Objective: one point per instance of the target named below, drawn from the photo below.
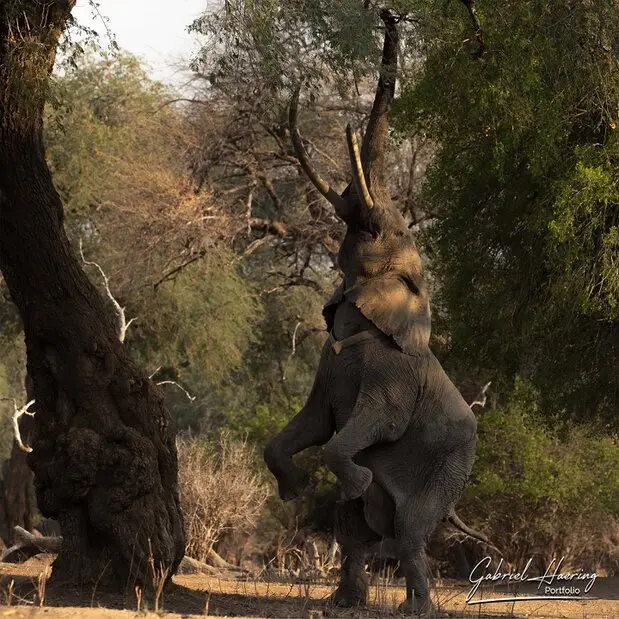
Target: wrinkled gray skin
(403, 446)
(399, 436)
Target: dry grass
(200, 595)
(219, 491)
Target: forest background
(505, 166)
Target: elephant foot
(348, 597)
(354, 482)
(291, 485)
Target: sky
(155, 30)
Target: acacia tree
(103, 455)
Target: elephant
(397, 433)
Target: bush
(219, 490)
(542, 494)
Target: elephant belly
(437, 447)
(405, 468)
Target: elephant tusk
(357, 169)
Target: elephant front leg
(364, 428)
(313, 425)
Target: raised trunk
(103, 456)
(376, 136)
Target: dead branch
(374, 143)
(123, 324)
(18, 412)
(481, 398)
(294, 340)
(28, 545)
(190, 397)
(177, 269)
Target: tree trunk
(18, 505)
(103, 455)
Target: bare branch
(120, 311)
(294, 340)
(338, 202)
(154, 373)
(481, 398)
(28, 545)
(190, 397)
(250, 200)
(177, 269)
(24, 410)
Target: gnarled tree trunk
(103, 455)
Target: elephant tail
(454, 519)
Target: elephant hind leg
(355, 537)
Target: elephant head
(383, 274)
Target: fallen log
(28, 545)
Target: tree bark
(104, 457)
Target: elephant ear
(328, 311)
(399, 306)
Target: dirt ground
(200, 595)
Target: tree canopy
(523, 189)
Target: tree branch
(24, 410)
(481, 398)
(123, 325)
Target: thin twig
(294, 340)
(190, 397)
(482, 397)
(123, 325)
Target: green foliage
(524, 189)
(266, 422)
(204, 319)
(103, 113)
(585, 225)
(561, 490)
(520, 458)
(307, 39)
(118, 154)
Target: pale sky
(155, 30)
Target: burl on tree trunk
(103, 454)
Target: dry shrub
(219, 488)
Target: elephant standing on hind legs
(399, 436)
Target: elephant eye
(410, 283)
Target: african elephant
(399, 436)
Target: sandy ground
(201, 595)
